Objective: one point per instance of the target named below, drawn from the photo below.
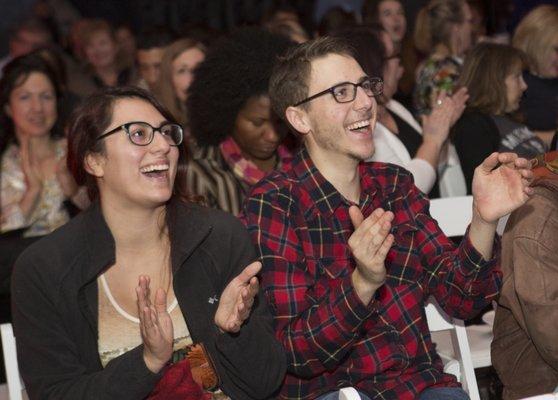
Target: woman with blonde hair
(492, 74)
(179, 61)
(537, 36)
(443, 31)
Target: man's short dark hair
(290, 78)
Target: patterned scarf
(245, 170)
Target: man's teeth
(359, 125)
(152, 168)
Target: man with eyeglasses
(349, 250)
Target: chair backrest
(452, 213)
(349, 393)
(15, 385)
(438, 320)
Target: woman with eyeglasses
(398, 137)
(145, 294)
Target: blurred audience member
(149, 55)
(75, 39)
(34, 179)
(67, 100)
(231, 118)
(335, 19)
(493, 75)
(478, 20)
(104, 66)
(25, 37)
(283, 19)
(390, 15)
(37, 193)
(537, 36)
(443, 31)
(525, 349)
(127, 44)
(179, 61)
(352, 7)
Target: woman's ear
(94, 164)
(298, 118)
(8, 110)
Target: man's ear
(94, 164)
(298, 119)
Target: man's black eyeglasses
(142, 133)
(346, 92)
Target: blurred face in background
(101, 50)
(149, 64)
(392, 18)
(25, 41)
(549, 67)
(126, 40)
(392, 67)
(515, 86)
(464, 32)
(182, 68)
(32, 106)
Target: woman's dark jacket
(55, 310)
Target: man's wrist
(364, 289)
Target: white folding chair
(349, 393)
(16, 389)
(457, 362)
(454, 215)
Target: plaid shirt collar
(326, 197)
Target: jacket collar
(326, 198)
(188, 229)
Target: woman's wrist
(153, 364)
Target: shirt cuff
(474, 262)
(350, 310)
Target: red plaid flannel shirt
(300, 224)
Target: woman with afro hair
(231, 119)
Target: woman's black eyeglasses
(142, 133)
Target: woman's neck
(40, 146)
(135, 229)
(266, 165)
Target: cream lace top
(119, 331)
